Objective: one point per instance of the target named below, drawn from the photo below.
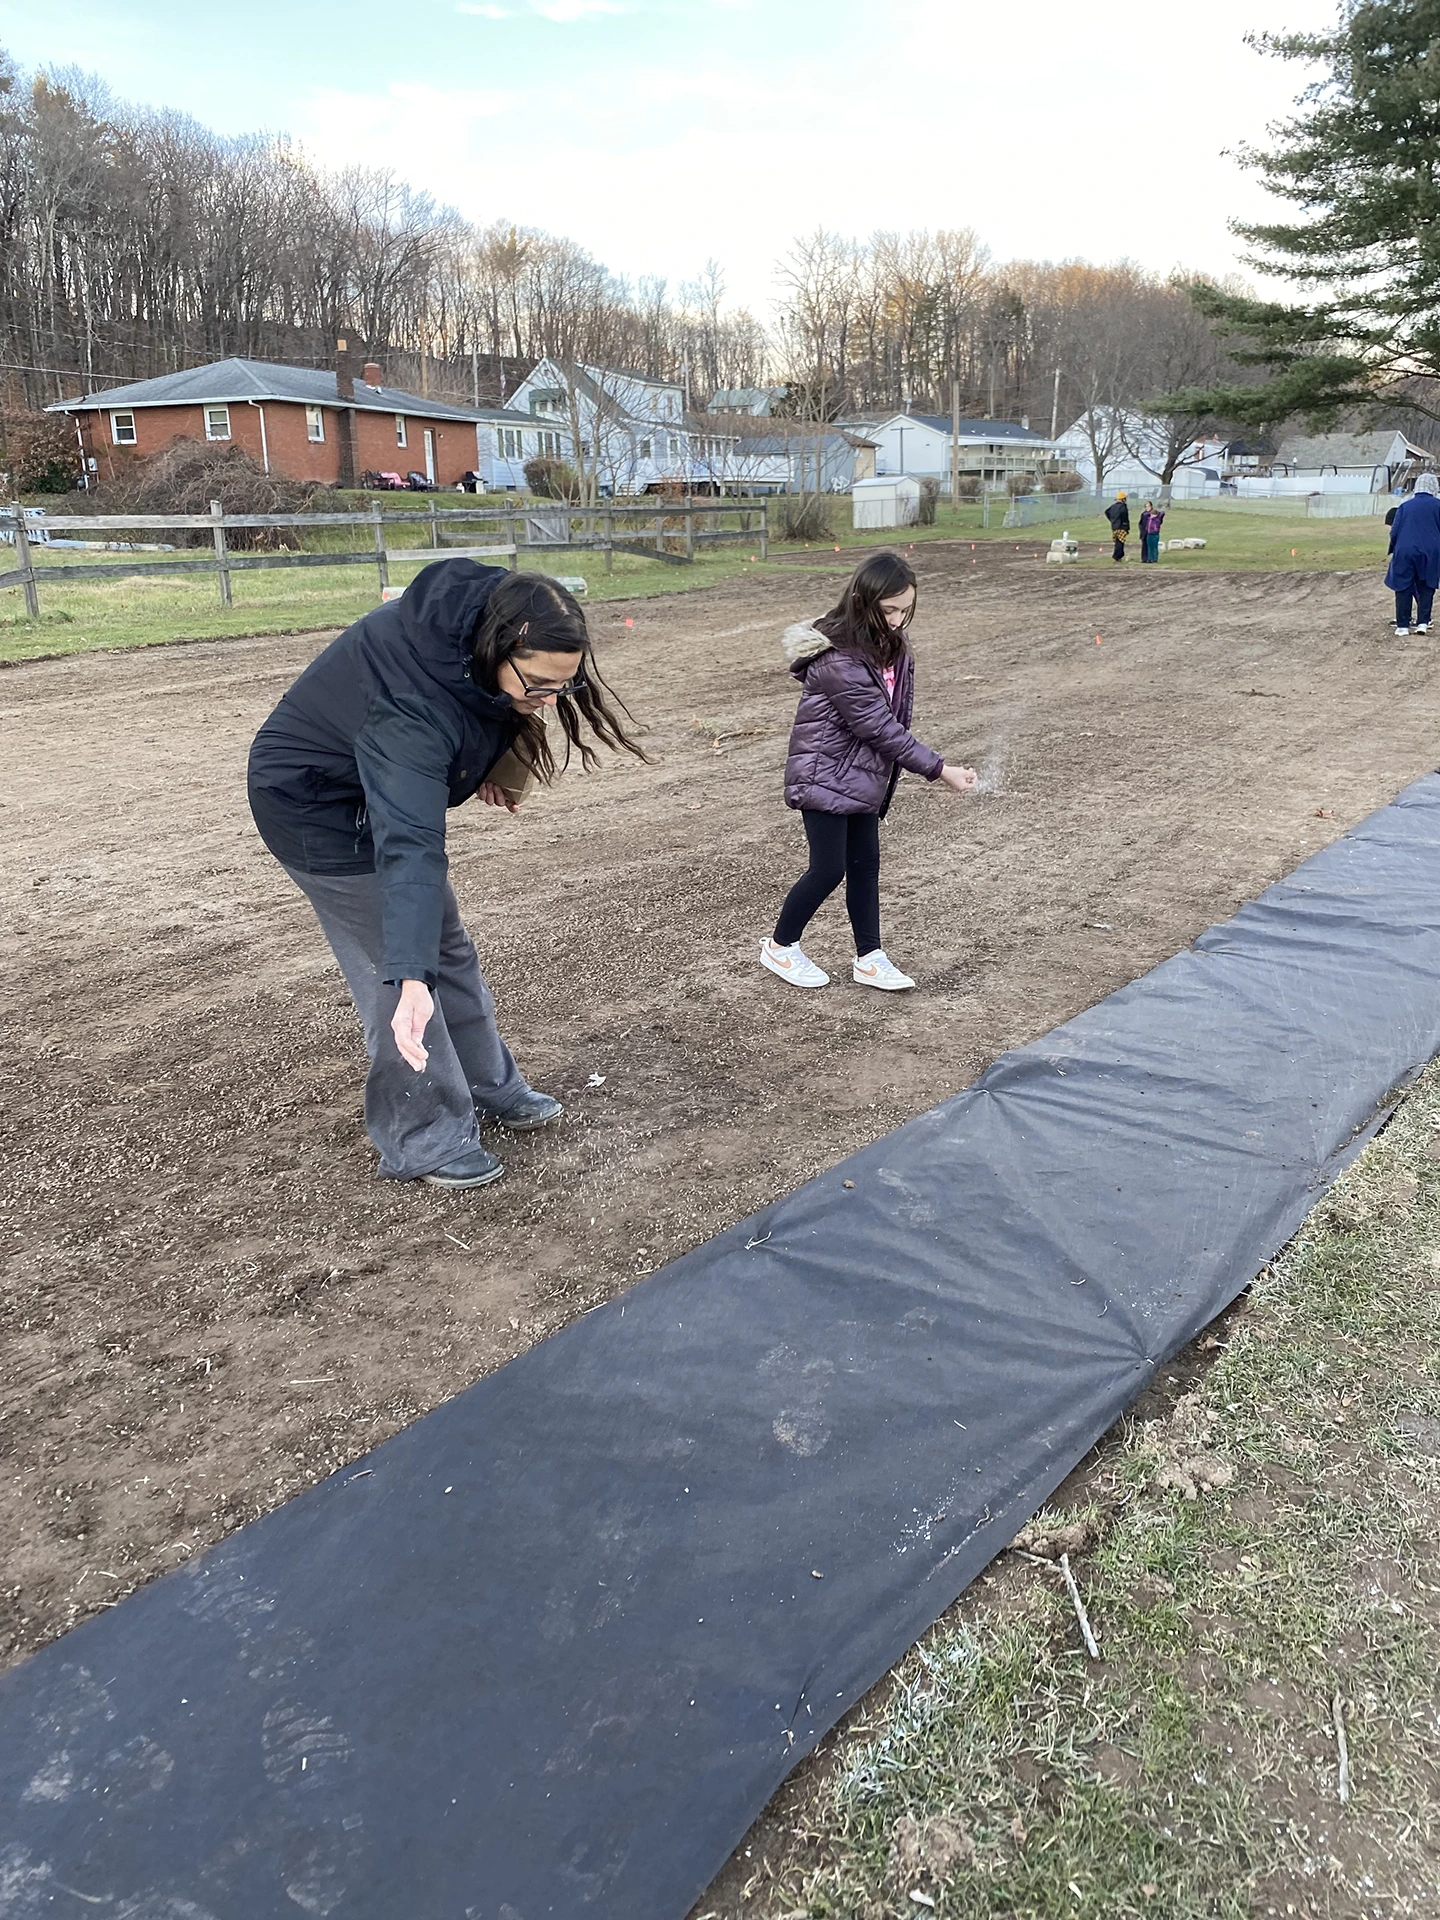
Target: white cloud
(564, 12)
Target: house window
(314, 423)
(550, 444)
(399, 429)
(512, 443)
(217, 423)
(644, 449)
(122, 429)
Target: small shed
(893, 500)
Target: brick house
(307, 423)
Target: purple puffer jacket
(849, 739)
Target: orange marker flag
(629, 623)
(1097, 640)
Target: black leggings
(843, 846)
(1424, 605)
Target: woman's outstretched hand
(961, 779)
(494, 796)
(412, 1016)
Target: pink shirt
(888, 675)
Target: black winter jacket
(354, 770)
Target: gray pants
(418, 1121)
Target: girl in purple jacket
(851, 738)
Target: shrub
(188, 474)
(551, 479)
(1019, 483)
(1066, 481)
(38, 452)
(967, 486)
(929, 494)
(805, 516)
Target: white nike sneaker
(1402, 633)
(789, 963)
(874, 970)
(1424, 627)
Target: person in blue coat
(1414, 570)
(410, 712)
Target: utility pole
(954, 444)
(1055, 406)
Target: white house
(1133, 450)
(505, 439)
(920, 443)
(633, 432)
(786, 460)
(1346, 462)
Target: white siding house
(920, 443)
(1133, 449)
(506, 438)
(634, 436)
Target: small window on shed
(399, 429)
(122, 429)
(217, 423)
(314, 423)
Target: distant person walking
(1414, 570)
(1152, 518)
(1118, 514)
(850, 739)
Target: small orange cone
(1293, 551)
(629, 623)
(1097, 640)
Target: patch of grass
(1269, 1546)
(82, 616)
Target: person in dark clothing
(402, 717)
(1118, 514)
(1414, 570)
(850, 739)
(1152, 518)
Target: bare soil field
(208, 1300)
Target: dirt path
(208, 1301)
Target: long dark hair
(858, 620)
(530, 613)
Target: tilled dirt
(209, 1301)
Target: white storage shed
(893, 500)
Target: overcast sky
(660, 132)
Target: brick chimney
(345, 415)
(344, 370)
(372, 375)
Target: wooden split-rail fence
(664, 531)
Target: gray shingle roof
(976, 429)
(1313, 451)
(236, 381)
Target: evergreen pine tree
(1360, 162)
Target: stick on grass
(1091, 1646)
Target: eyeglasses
(540, 691)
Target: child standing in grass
(851, 738)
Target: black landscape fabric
(548, 1651)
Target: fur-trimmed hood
(803, 642)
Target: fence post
(26, 562)
(659, 533)
(609, 542)
(382, 559)
(434, 529)
(217, 514)
(512, 542)
(689, 531)
(764, 529)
